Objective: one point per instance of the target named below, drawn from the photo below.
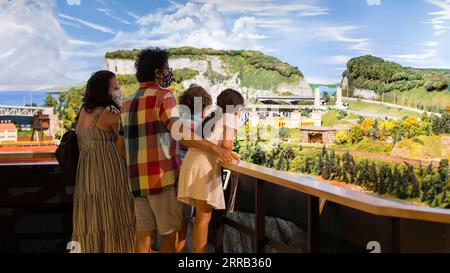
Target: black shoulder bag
(68, 152)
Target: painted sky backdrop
(55, 42)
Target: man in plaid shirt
(152, 154)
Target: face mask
(167, 80)
(117, 96)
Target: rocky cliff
(250, 72)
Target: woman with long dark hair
(103, 216)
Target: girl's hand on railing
(225, 154)
(237, 158)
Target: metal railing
(317, 194)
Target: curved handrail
(376, 205)
(27, 158)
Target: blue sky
(53, 42)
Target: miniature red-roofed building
(8, 132)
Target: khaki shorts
(162, 211)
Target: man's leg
(168, 213)
(181, 245)
(169, 242)
(200, 232)
(145, 225)
(144, 241)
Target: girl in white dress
(200, 182)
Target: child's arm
(229, 134)
(229, 131)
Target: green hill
(254, 69)
(420, 88)
(251, 57)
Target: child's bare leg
(182, 236)
(200, 232)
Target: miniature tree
(443, 174)
(415, 191)
(307, 168)
(396, 177)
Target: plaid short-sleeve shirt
(152, 155)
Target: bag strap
(97, 116)
(75, 122)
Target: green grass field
(380, 109)
(419, 98)
(330, 118)
(423, 147)
(24, 133)
(368, 145)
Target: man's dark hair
(97, 91)
(148, 60)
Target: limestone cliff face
(359, 92)
(119, 66)
(365, 94)
(228, 79)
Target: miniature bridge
(21, 111)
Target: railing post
(260, 214)
(313, 243)
(219, 230)
(395, 235)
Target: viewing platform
(36, 213)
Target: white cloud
(268, 7)
(321, 80)
(193, 24)
(427, 53)
(373, 2)
(37, 51)
(363, 47)
(102, 2)
(340, 34)
(73, 2)
(133, 15)
(88, 24)
(80, 43)
(31, 39)
(110, 13)
(338, 59)
(80, 53)
(67, 23)
(147, 19)
(441, 20)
